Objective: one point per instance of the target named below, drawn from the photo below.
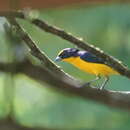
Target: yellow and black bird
(87, 62)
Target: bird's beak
(58, 59)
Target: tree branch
(46, 74)
(64, 82)
(109, 60)
(110, 98)
(35, 51)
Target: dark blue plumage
(84, 55)
(68, 52)
(87, 56)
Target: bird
(87, 62)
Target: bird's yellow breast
(93, 68)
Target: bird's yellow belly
(93, 68)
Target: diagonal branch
(109, 60)
(110, 98)
(46, 74)
(35, 51)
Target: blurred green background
(105, 26)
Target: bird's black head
(67, 53)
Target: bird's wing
(86, 56)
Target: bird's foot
(101, 88)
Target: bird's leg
(104, 83)
(88, 83)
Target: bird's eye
(63, 55)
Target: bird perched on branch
(87, 62)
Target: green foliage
(106, 26)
